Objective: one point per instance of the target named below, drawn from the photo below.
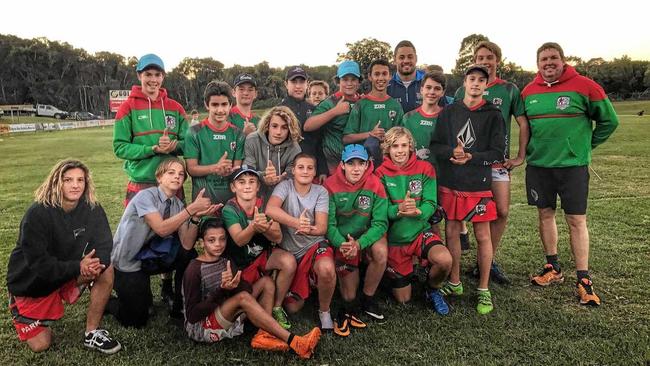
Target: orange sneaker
(585, 291)
(304, 346)
(268, 342)
(547, 276)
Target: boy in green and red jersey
(215, 146)
(241, 115)
(374, 113)
(411, 188)
(331, 116)
(505, 95)
(422, 121)
(561, 105)
(357, 224)
(149, 127)
(469, 138)
(251, 237)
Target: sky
(312, 33)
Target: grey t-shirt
(316, 200)
(133, 231)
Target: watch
(195, 222)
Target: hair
(194, 111)
(402, 44)
(319, 83)
(392, 135)
(164, 166)
(551, 45)
(303, 155)
(435, 76)
(490, 46)
(210, 223)
(286, 115)
(50, 192)
(217, 87)
(379, 61)
(435, 68)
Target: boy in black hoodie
(469, 138)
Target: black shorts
(543, 185)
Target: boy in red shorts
(469, 138)
(410, 185)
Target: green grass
(528, 326)
(632, 107)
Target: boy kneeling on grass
(410, 185)
(216, 299)
(469, 138)
(251, 236)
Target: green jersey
(238, 118)
(422, 126)
(244, 255)
(370, 110)
(332, 131)
(207, 144)
(506, 96)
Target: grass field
(529, 326)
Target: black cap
(296, 72)
(245, 78)
(479, 68)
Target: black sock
(582, 274)
(552, 260)
(365, 299)
(290, 339)
(166, 284)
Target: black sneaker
(497, 275)
(372, 309)
(100, 340)
(464, 242)
(474, 272)
(167, 293)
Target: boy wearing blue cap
(332, 114)
(357, 224)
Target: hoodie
(419, 178)
(560, 116)
(482, 130)
(258, 151)
(356, 209)
(139, 123)
(311, 143)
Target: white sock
(325, 320)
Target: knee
(326, 273)
(267, 284)
(546, 214)
(287, 263)
(41, 342)
(441, 257)
(292, 307)
(107, 277)
(503, 211)
(244, 298)
(379, 254)
(577, 222)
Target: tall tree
(365, 51)
(466, 52)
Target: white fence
(53, 126)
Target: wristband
(188, 211)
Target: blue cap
(348, 68)
(354, 151)
(150, 60)
(242, 170)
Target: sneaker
(547, 276)
(100, 340)
(484, 302)
(474, 272)
(342, 325)
(497, 275)
(326, 322)
(280, 316)
(438, 302)
(372, 309)
(585, 291)
(304, 346)
(355, 321)
(266, 341)
(464, 242)
(452, 290)
(167, 293)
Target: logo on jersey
(424, 122)
(254, 250)
(466, 134)
(218, 137)
(562, 103)
(497, 101)
(392, 115)
(415, 186)
(233, 145)
(170, 121)
(423, 153)
(363, 202)
(380, 106)
(534, 195)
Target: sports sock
(290, 339)
(552, 260)
(582, 274)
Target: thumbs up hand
(223, 167)
(378, 132)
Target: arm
(102, 240)
(355, 137)
(123, 145)
(275, 211)
(333, 233)
(320, 224)
(602, 112)
(524, 136)
(429, 194)
(325, 112)
(378, 224)
(196, 170)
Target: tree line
(49, 72)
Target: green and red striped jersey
(233, 214)
(238, 118)
(207, 144)
(139, 124)
(332, 131)
(422, 126)
(560, 116)
(357, 209)
(417, 177)
(369, 110)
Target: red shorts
(132, 188)
(467, 206)
(399, 266)
(31, 315)
(305, 277)
(257, 269)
